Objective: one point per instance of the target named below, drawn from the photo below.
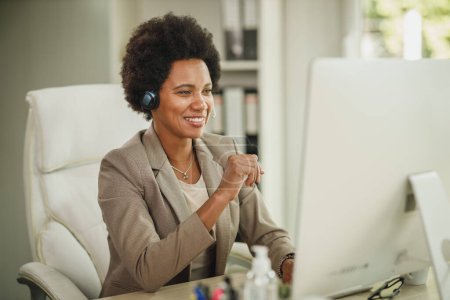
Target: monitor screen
(369, 125)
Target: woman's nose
(199, 101)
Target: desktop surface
(181, 290)
(184, 290)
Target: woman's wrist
(210, 211)
(282, 260)
(222, 196)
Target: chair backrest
(69, 130)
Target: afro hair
(155, 45)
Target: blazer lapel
(212, 174)
(167, 181)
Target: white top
(203, 265)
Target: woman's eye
(184, 92)
(207, 91)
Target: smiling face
(185, 101)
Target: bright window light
(412, 35)
(410, 29)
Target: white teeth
(194, 119)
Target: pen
(217, 294)
(199, 293)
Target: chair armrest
(44, 280)
(240, 259)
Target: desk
(183, 290)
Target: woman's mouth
(195, 121)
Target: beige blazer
(153, 236)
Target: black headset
(150, 101)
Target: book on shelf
(233, 98)
(240, 25)
(251, 120)
(250, 29)
(240, 111)
(231, 12)
(251, 112)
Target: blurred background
(265, 46)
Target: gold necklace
(185, 173)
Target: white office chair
(69, 130)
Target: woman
(174, 198)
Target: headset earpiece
(150, 101)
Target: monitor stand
(434, 208)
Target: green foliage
(384, 19)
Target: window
(411, 29)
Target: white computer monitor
(369, 125)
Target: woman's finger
(250, 179)
(258, 173)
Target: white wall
(122, 22)
(42, 44)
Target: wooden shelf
(240, 65)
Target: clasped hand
(240, 169)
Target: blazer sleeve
(150, 260)
(256, 227)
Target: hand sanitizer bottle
(261, 283)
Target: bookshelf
(238, 98)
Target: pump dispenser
(261, 283)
